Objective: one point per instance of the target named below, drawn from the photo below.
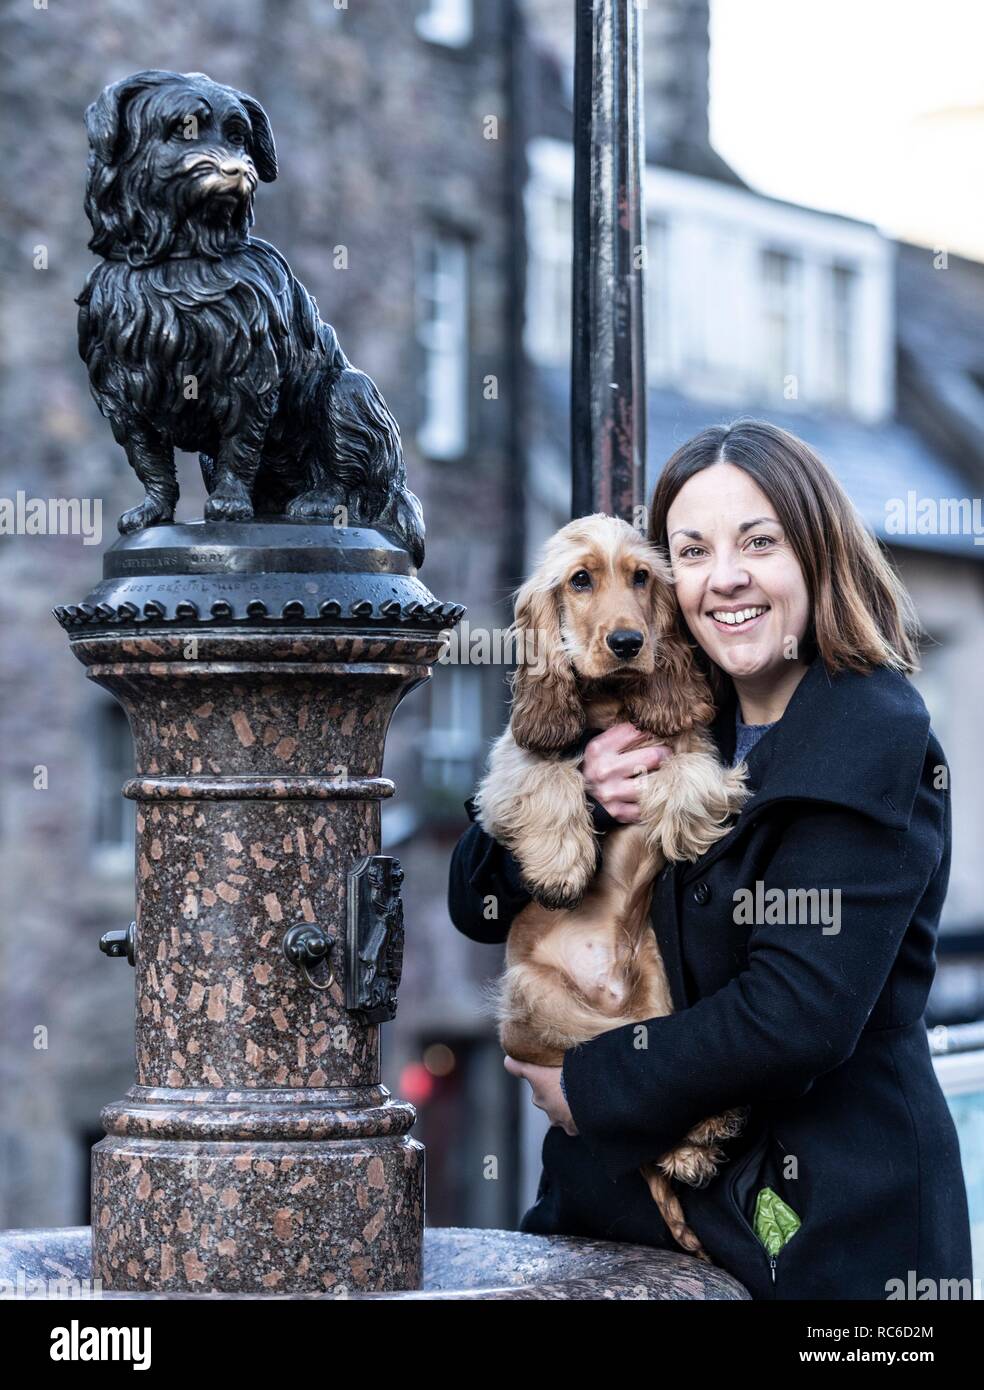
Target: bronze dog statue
(197, 336)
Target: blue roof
(873, 463)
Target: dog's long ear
(676, 697)
(261, 146)
(107, 123)
(104, 118)
(547, 713)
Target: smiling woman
(846, 1182)
(772, 565)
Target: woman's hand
(616, 777)
(547, 1095)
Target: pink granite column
(258, 1150)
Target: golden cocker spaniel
(596, 629)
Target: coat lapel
(847, 739)
(667, 918)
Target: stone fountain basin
(458, 1264)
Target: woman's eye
(640, 578)
(767, 541)
(689, 552)
(581, 580)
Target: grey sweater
(747, 735)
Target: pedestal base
(265, 1191)
(458, 1265)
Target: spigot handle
(306, 946)
(120, 943)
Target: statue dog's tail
(368, 457)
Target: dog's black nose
(625, 642)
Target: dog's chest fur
(185, 345)
(605, 946)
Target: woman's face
(738, 582)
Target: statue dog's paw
(315, 506)
(231, 501)
(150, 512)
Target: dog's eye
(581, 580)
(640, 578)
(186, 126)
(236, 136)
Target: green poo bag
(775, 1222)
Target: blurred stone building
(396, 206)
(424, 199)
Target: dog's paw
(231, 501)
(150, 512)
(730, 1124)
(562, 893)
(692, 1164)
(315, 506)
(690, 805)
(686, 824)
(685, 837)
(564, 889)
(559, 897)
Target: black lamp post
(608, 359)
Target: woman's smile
(735, 621)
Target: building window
(843, 281)
(114, 821)
(454, 740)
(442, 331)
(548, 320)
(657, 300)
(781, 324)
(449, 22)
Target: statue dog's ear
(107, 122)
(104, 118)
(261, 146)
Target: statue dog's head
(174, 160)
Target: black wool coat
(812, 1018)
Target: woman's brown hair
(861, 614)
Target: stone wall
(380, 134)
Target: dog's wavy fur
(281, 420)
(581, 958)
